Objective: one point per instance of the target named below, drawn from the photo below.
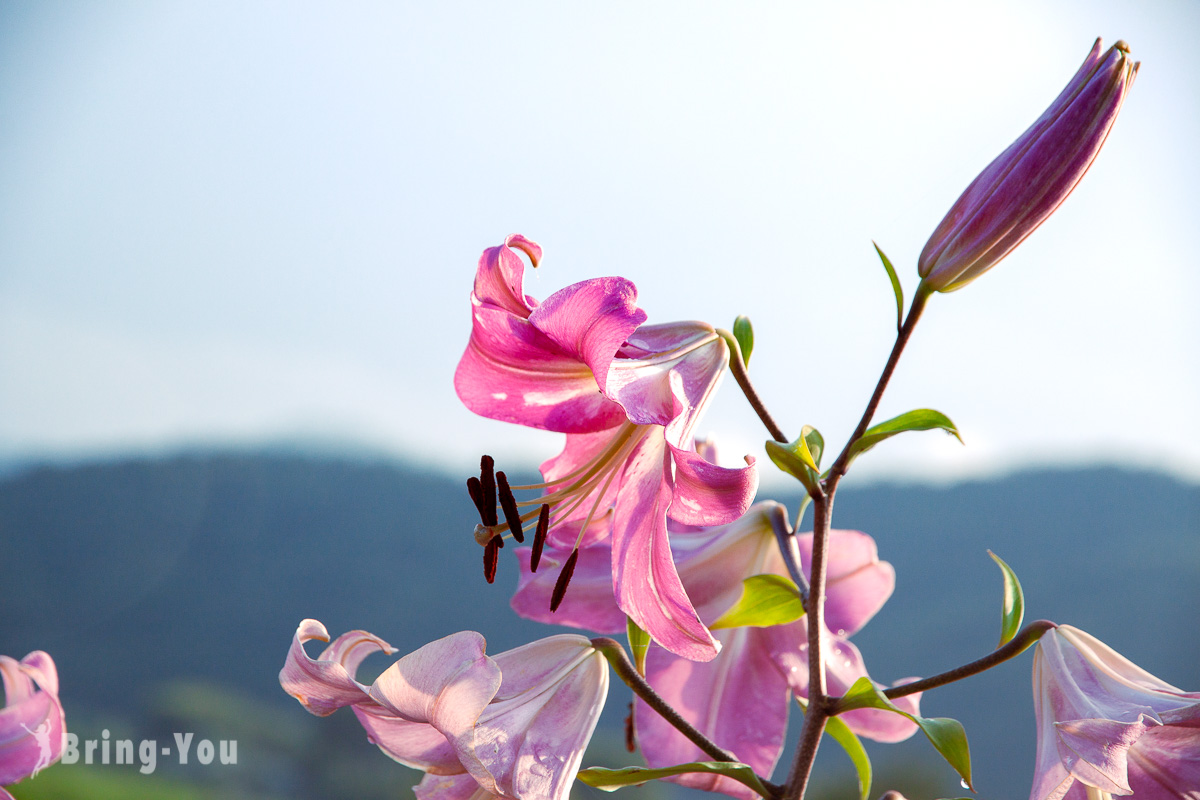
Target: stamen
(487, 478)
(630, 734)
(539, 537)
(564, 578)
(491, 557)
(509, 504)
(475, 488)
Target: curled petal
(512, 372)
(590, 320)
(705, 494)
(327, 683)
(447, 684)
(500, 276)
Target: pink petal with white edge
(32, 724)
(327, 683)
(705, 494)
(533, 735)
(739, 700)
(645, 581)
(446, 683)
(1105, 722)
(677, 368)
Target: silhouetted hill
(137, 573)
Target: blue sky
(234, 223)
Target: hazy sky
(252, 221)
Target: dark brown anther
(539, 537)
(476, 490)
(509, 504)
(630, 735)
(491, 557)
(487, 478)
(564, 577)
(499, 540)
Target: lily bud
(1028, 181)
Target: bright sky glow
(242, 222)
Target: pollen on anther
(564, 578)
(487, 479)
(509, 505)
(539, 537)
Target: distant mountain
(135, 574)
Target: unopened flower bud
(1028, 181)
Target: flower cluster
(636, 528)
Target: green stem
(615, 653)
(914, 314)
(818, 701)
(1024, 639)
(740, 374)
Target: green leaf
(610, 780)
(639, 643)
(1012, 609)
(840, 732)
(921, 419)
(800, 458)
(743, 331)
(766, 600)
(897, 289)
(947, 735)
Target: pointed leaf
(609, 780)
(896, 288)
(1012, 609)
(766, 600)
(639, 644)
(743, 331)
(921, 419)
(840, 732)
(946, 735)
(800, 458)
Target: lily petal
(32, 723)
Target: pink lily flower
(1107, 727)
(32, 725)
(1026, 183)
(740, 699)
(628, 396)
(512, 725)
